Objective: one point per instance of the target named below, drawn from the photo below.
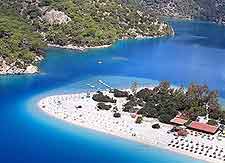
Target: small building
(178, 121)
(203, 127)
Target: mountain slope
(95, 23)
(19, 45)
(208, 10)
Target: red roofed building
(178, 121)
(203, 127)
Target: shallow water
(195, 54)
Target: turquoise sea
(195, 54)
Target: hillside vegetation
(99, 22)
(83, 23)
(19, 45)
(208, 10)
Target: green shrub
(117, 115)
(165, 118)
(156, 126)
(139, 119)
(212, 122)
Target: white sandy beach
(66, 107)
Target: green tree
(165, 118)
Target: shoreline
(12, 69)
(123, 137)
(159, 143)
(32, 69)
(84, 48)
(80, 48)
(127, 138)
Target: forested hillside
(19, 44)
(208, 10)
(82, 23)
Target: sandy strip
(80, 48)
(66, 107)
(83, 48)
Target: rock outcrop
(13, 68)
(56, 17)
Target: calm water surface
(195, 54)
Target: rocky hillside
(19, 45)
(80, 23)
(208, 10)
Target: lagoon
(195, 54)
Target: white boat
(99, 62)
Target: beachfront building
(203, 127)
(201, 124)
(178, 121)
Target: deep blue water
(195, 54)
